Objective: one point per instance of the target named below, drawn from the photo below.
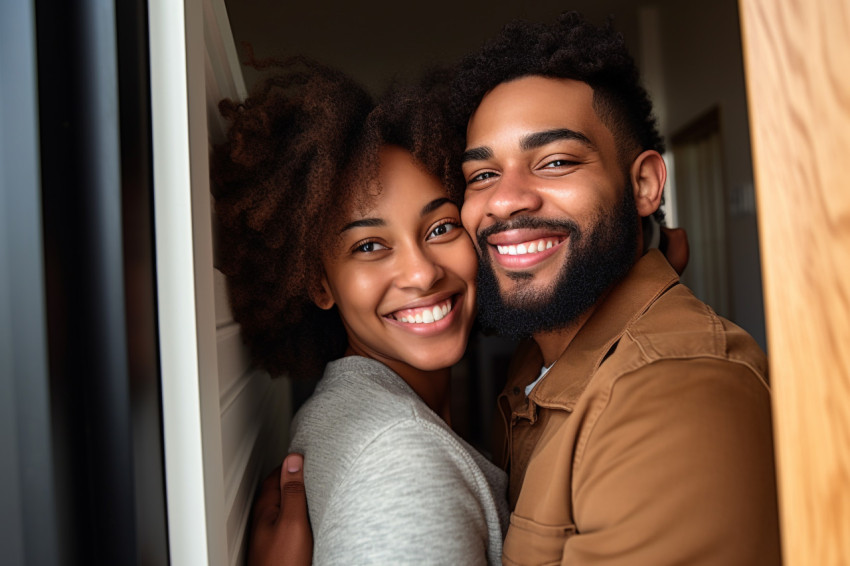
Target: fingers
(293, 497)
(293, 539)
(267, 503)
(281, 533)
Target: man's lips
(529, 246)
(520, 249)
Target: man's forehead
(533, 104)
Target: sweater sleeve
(411, 497)
(678, 471)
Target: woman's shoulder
(357, 401)
(359, 387)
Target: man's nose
(515, 193)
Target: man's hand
(280, 527)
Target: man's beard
(596, 260)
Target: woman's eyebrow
(434, 205)
(376, 222)
(364, 223)
(539, 139)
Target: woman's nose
(417, 269)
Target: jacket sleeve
(678, 468)
(412, 497)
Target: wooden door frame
(796, 55)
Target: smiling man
(637, 425)
(553, 212)
(636, 422)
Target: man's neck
(554, 343)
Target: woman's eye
(443, 229)
(368, 247)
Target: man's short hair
(569, 48)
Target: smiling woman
(343, 247)
(402, 273)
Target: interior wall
(377, 40)
(703, 67)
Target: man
(637, 425)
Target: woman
(342, 243)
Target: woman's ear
(322, 297)
(648, 175)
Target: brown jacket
(649, 441)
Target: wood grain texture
(797, 60)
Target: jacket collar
(647, 280)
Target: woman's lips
(425, 314)
(432, 319)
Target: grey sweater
(388, 482)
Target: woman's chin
(440, 360)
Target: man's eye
(482, 177)
(559, 163)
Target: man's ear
(322, 297)
(648, 175)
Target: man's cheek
(470, 220)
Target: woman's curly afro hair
(569, 48)
(300, 151)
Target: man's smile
(524, 248)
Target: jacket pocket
(530, 542)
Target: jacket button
(516, 390)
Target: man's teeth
(527, 248)
(425, 315)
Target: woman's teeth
(527, 248)
(424, 315)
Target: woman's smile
(427, 320)
(403, 273)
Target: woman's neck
(433, 387)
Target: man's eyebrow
(531, 141)
(434, 205)
(476, 154)
(364, 223)
(539, 139)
